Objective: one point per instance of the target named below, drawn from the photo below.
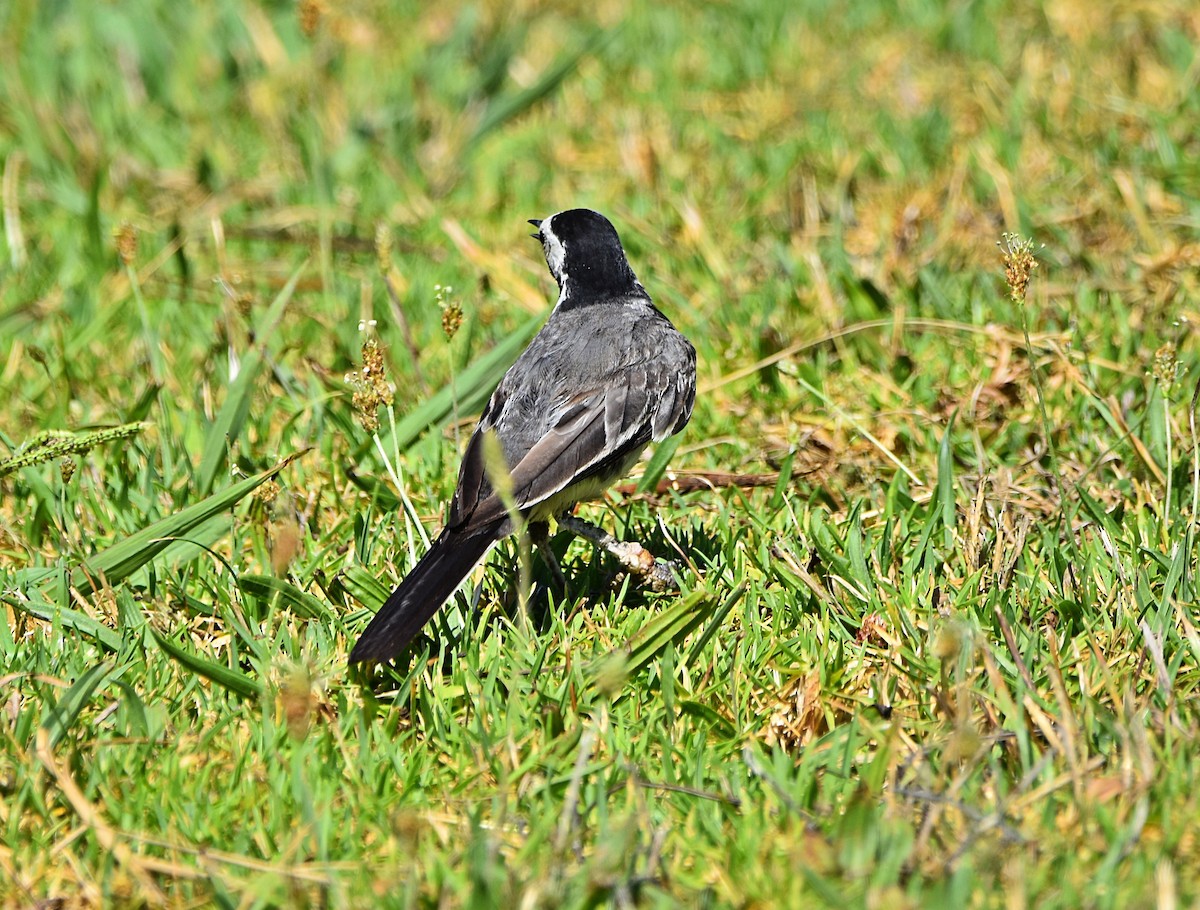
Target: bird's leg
(539, 533)
(631, 554)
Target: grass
(938, 644)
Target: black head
(585, 256)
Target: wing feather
(600, 429)
(554, 442)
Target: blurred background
(784, 168)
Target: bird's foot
(658, 573)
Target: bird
(606, 375)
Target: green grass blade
(708, 715)
(124, 558)
(65, 712)
(233, 680)
(945, 487)
(672, 626)
(506, 108)
(473, 386)
(229, 421)
(718, 617)
(299, 602)
(657, 465)
(784, 481)
(232, 416)
(380, 493)
(70, 620)
(27, 578)
(1178, 565)
(364, 587)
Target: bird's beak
(537, 223)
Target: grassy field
(936, 644)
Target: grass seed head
(296, 702)
(244, 304)
(371, 388)
(452, 314)
(310, 13)
(59, 444)
(873, 629)
(948, 643)
(127, 242)
(1019, 263)
(267, 492)
(286, 541)
(1166, 367)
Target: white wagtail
(606, 375)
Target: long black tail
(421, 593)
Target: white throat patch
(556, 254)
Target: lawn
(935, 642)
